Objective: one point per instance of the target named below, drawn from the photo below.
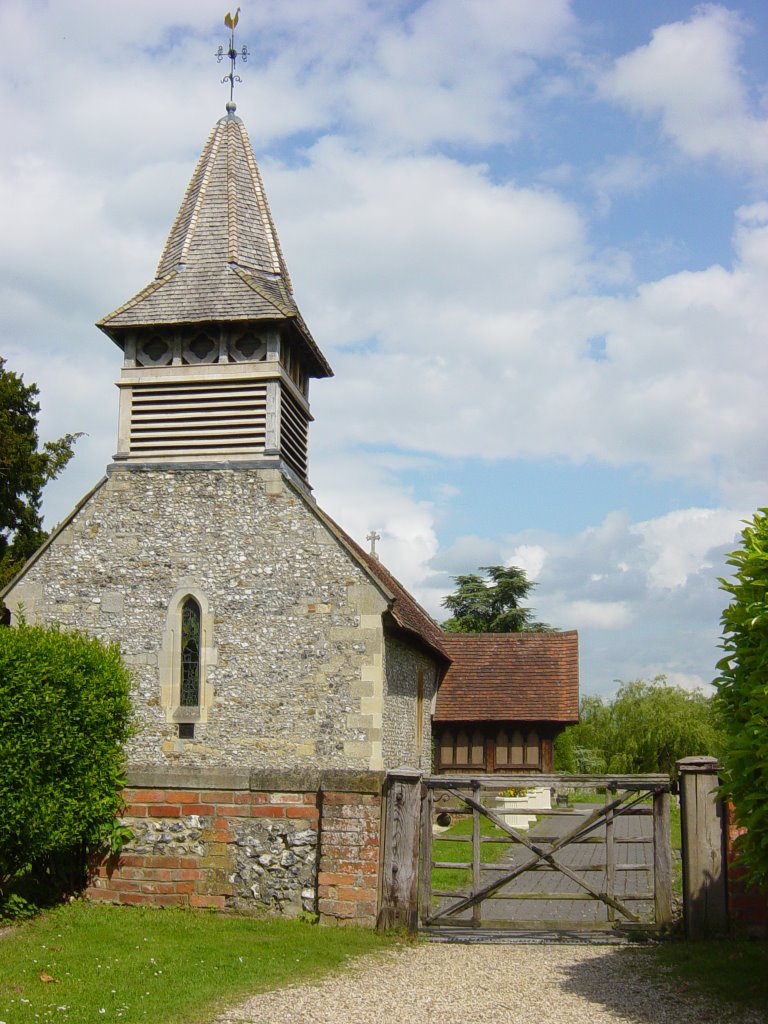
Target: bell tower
(217, 357)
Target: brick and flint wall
(268, 842)
(747, 905)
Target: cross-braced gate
(510, 860)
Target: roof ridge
(198, 181)
(273, 240)
(262, 289)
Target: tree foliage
(492, 604)
(64, 717)
(742, 692)
(645, 728)
(24, 471)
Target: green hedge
(64, 717)
(742, 692)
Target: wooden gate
(545, 853)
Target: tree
(646, 727)
(24, 471)
(64, 717)
(742, 693)
(492, 605)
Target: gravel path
(486, 984)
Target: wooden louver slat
(198, 419)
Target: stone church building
(279, 670)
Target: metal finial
(373, 536)
(231, 22)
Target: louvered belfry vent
(198, 418)
(293, 433)
(217, 356)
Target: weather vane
(232, 53)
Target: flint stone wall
(295, 662)
(408, 740)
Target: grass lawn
(88, 963)
(733, 972)
(450, 879)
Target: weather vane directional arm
(231, 22)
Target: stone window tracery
(187, 656)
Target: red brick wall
(747, 906)
(350, 841)
(194, 865)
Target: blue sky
(532, 240)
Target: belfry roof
(222, 261)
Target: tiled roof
(222, 261)
(510, 677)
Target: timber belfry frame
(603, 862)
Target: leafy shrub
(64, 717)
(742, 692)
(15, 908)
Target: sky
(531, 239)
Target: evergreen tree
(24, 470)
(493, 604)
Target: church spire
(217, 355)
(222, 261)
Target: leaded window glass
(190, 653)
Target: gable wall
(295, 659)
(403, 663)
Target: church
(279, 670)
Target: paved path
(435, 983)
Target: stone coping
(276, 780)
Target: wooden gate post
(400, 868)
(704, 868)
(662, 858)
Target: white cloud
(530, 558)
(363, 496)
(689, 76)
(596, 614)
(621, 175)
(680, 543)
(690, 681)
(498, 339)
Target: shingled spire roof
(222, 261)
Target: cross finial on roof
(231, 22)
(373, 537)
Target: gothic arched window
(190, 653)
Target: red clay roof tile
(510, 676)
